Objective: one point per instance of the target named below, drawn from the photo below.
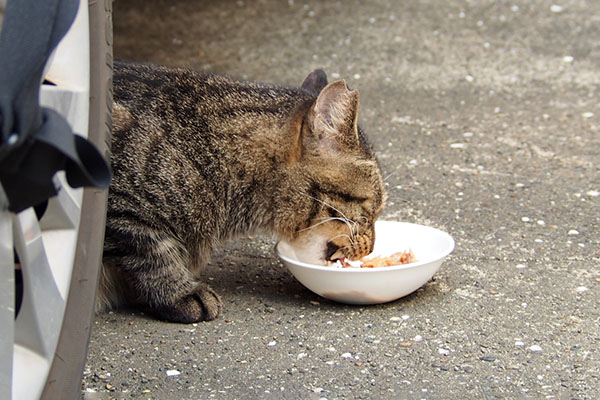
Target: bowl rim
(440, 256)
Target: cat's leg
(157, 270)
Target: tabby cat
(198, 159)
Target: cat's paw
(204, 304)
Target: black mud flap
(36, 142)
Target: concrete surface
(485, 115)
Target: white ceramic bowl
(376, 285)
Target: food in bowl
(399, 258)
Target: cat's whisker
(345, 218)
(321, 223)
(339, 236)
(329, 219)
(355, 231)
(350, 227)
(325, 204)
(390, 175)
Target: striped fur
(199, 159)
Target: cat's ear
(333, 118)
(315, 82)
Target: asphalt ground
(485, 117)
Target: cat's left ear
(315, 82)
(333, 118)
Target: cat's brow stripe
(345, 196)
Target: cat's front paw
(204, 304)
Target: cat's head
(342, 191)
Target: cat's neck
(263, 174)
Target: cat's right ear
(333, 118)
(315, 82)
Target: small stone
(346, 355)
(573, 232)
(469, 78)
(443, 352)
(535, 348)
(487, 358)
(418, 338)
(568, 59)
(271, 343)
(519, 343)
(520, 266)
(587, 115)
(525, 219)
(493, 292)
(173, 372)
(13, 138)
(555, 8)
(581, 289)
(457, 146)
(314, 303)
(395, 319)
(405, 344)
(593, 193)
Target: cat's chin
(310, 249)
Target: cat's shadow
(249, 270)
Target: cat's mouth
(333, 252)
